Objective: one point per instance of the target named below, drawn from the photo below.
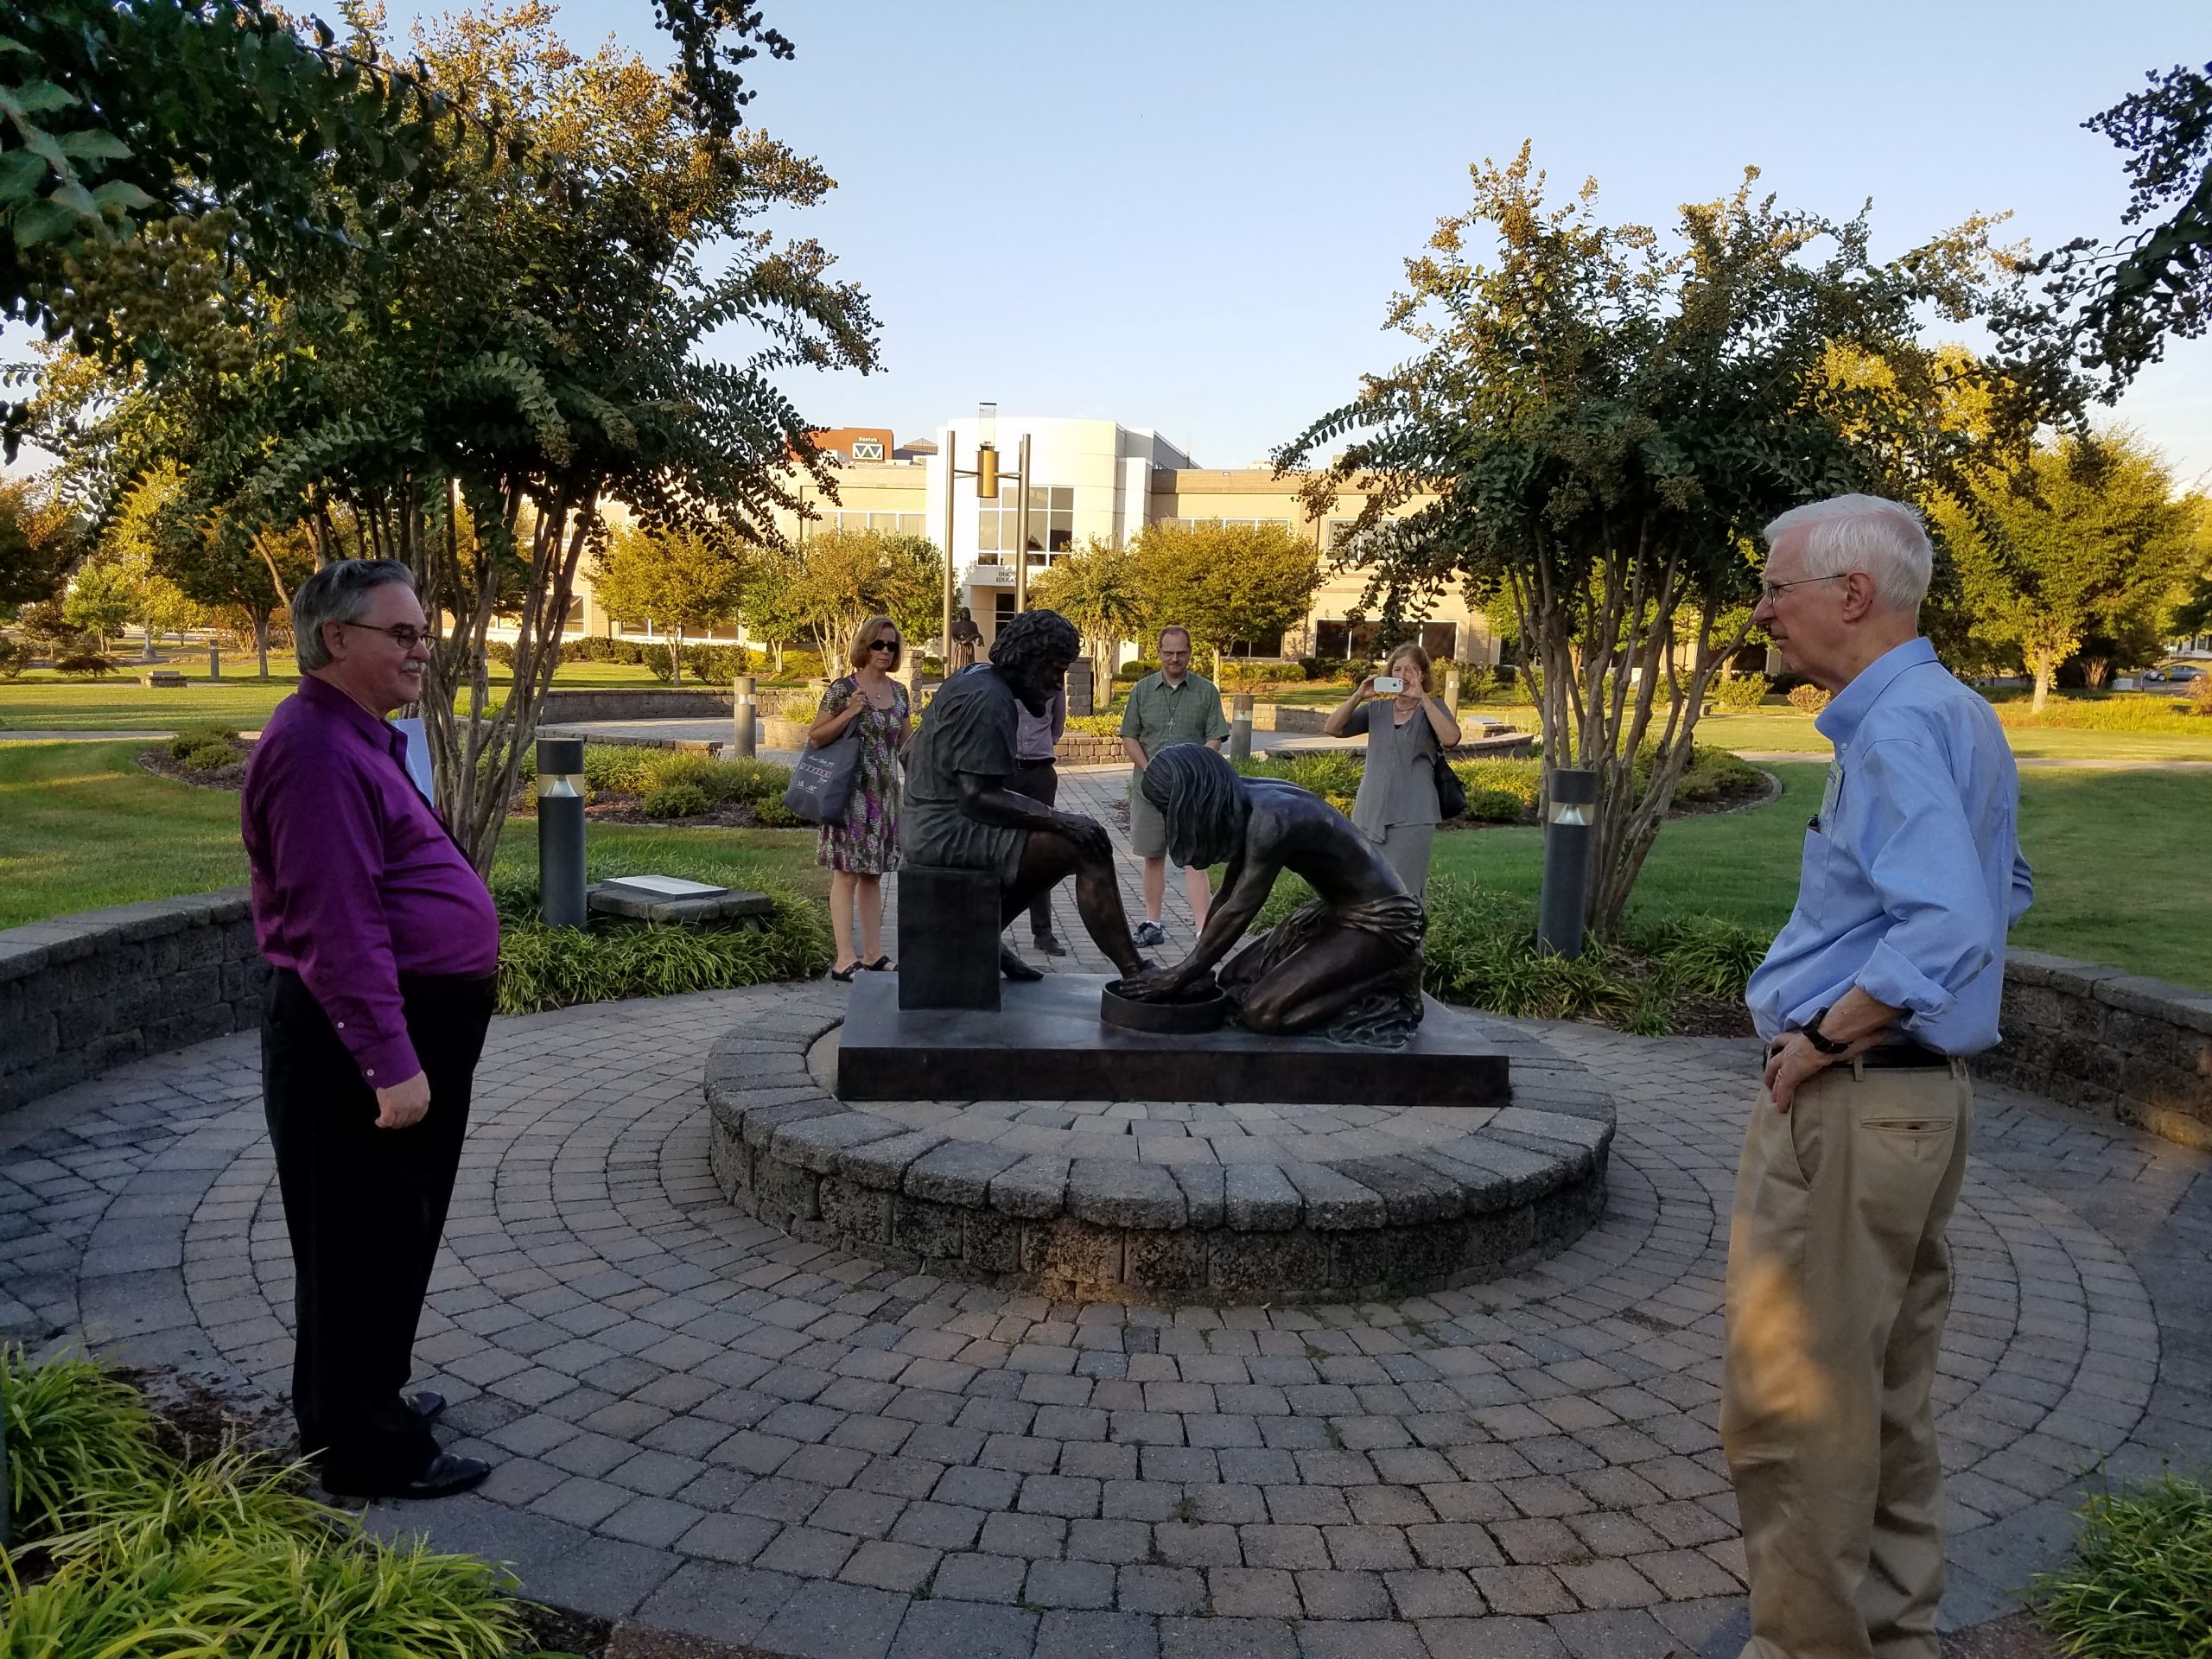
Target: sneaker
(1049, 946)
(1150, 934)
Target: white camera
(1388, 684)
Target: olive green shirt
(1159, 714)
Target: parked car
(2173, 674)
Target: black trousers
(1040, 781)
(366, 1208)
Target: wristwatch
(1811, 1032)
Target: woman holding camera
(1396, 805)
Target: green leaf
(20, 175)
(75, 197)
(35, 96)
(121, 192)
(95, 146)
(41, 221)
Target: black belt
(1902, 1056)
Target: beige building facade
(1088, 477)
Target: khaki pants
(1838, 1281)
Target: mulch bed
(625, 809)
(161, 764)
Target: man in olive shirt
(1173, 706)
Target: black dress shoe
(429, 1404)
(447, 1475)
(1050, 946)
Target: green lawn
(82, 825)
(41, 701)
(2117, 855)
(2147, 909)
(1786, 730)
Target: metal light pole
(987, 475)
(1022, 512)
(1572, 791)
(747, 732)
(561, 830)
(1240, 726)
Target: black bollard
(1572, 791)
(561, 830)
(741, 711)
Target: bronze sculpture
(958, 813)
(1348, 964)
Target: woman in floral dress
(862, 848)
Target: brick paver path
(709, 1427)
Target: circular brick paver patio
(709, 1427)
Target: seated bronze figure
(1348, 964)
(958, 813)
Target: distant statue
(1347, 964)
(966, 636)
(959, 813)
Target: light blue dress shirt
(1912, 870)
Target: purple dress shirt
(355, 881)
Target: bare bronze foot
(1013, 967)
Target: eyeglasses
(883, 644)
(404, 635)
(1770, 591)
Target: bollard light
(741, 712)
(1573, 794)
(561, 830)
(1452, 688)
(215, 661)
(1240, 727)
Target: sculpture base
(1047, 1042)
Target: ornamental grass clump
(2139, 1586)
(73, 1427)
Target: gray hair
(338, 592)
(1883, 538)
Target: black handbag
(1451, 793)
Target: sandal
(844, 975)
(881, 965)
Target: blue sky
(1192, 216)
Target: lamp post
(987, 475)
(561, 830)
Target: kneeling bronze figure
(1347, 964)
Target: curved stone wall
(2101, 1038)
(1305, 1204)
(82, 993)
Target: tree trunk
(2046, 669)
(261, 615)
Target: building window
(1343, 641)
(888, 523)
(868, 449)
(1051, 524)
(1269, 646)
(1334, 532)
(1002, 609)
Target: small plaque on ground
(667, 886)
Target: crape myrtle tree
(1596, 425)
(834, 580)
(511, 336)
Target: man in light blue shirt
(1886, 977)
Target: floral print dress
(866, 841)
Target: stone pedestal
(948, 939)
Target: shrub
(72, 1428)
(1737, 694)
(676, 801)
(1096, 725)
(770, 813)
(1136, 669)
(1241, 674)
(802, 665)
(1324, 669)
(2140, 1583)
(1808, 699)
(209, 757)
(13, 658)
(194, 737)
(84, 662)
(2200, 697)
(2152, 714)
(502, 651)
(1501, 790)
(717, 664)
(602, 648)
(1711, 775)
(543, 967)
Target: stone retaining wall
(83, 992)
(676, 703)
(2100, 1038)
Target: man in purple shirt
(386, 947)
